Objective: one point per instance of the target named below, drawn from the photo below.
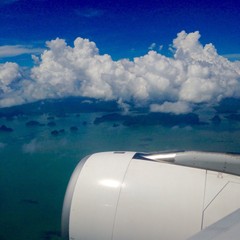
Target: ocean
(38, 153)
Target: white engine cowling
(134, 196)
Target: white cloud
(195, 74)
(9, 72)
(13, 85)
(15, 50)
(171, 107)
(152, 46)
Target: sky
(123, 29)
(169, 55)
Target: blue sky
(167, 55)
(123, 29)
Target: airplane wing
(226, 228)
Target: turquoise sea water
(35, 165)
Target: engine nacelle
(134, 196)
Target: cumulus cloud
(9, 72)
(12, 85)
(196, 74)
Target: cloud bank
(15, 50)
(196, 74)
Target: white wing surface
(226, 228)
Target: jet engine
(134, 196)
